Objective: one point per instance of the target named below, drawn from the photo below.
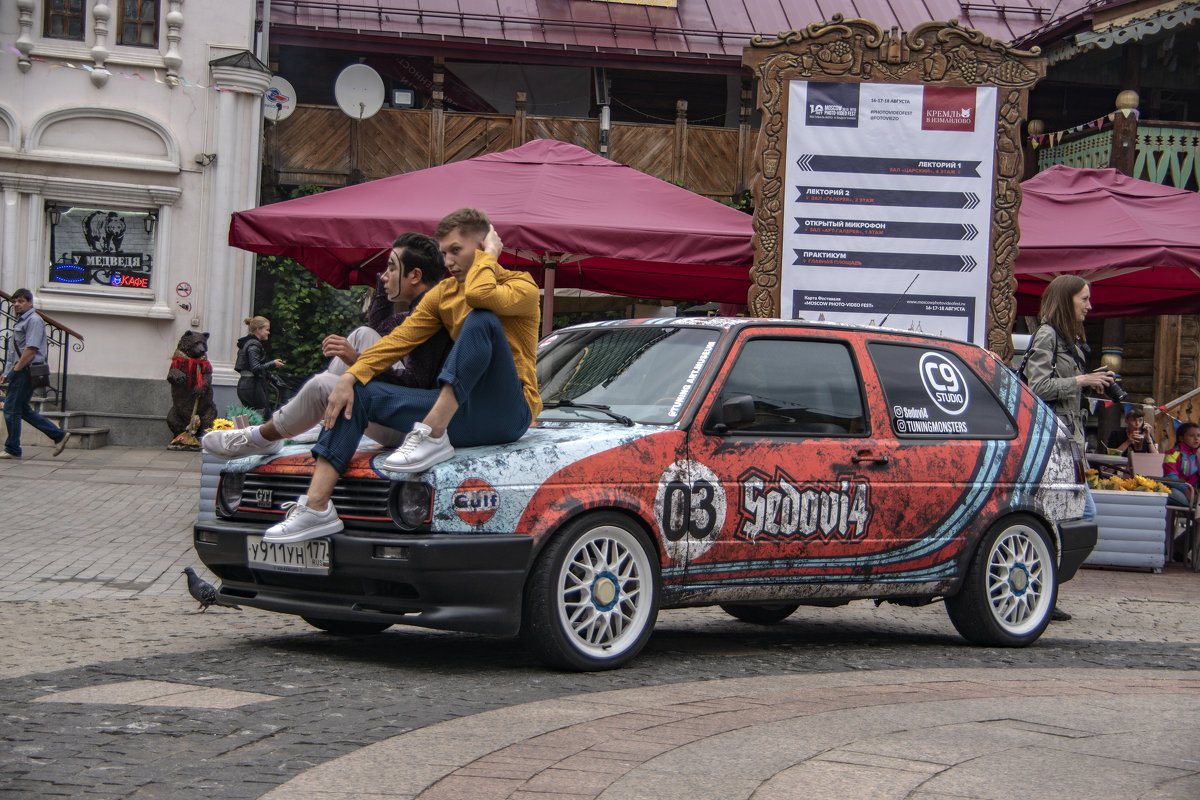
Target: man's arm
(422, 323)
(505, 293)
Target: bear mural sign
(102, 249)
(888, 177)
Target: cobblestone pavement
(112, 686)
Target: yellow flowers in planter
(221, 424)
(1137, 483)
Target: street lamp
(150, 220)
(55, 213)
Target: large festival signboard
(888, 177)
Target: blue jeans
(491, 403)
(17, 408)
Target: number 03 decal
(690, 509)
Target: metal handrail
(58, 345)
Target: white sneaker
(235, 443)
(303, 523)
(420, 451)
(310, 435)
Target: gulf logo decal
(475, 501)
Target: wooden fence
(320, 145)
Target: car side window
(799, 386)
(930, 392)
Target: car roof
(739, 323)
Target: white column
(228, 290)
(8, 252)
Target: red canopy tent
(1137, 243)
(608, 227)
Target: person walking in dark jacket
(254, 366)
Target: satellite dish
(279, 100)
(359, 91)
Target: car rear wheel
(764, 614)
(342, 627)
(592, 599)
(1010, 588)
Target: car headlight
(229, 493)
(410, 504)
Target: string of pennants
(1095, 403)
(169, 80)
(1056, 137)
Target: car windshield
(646, 374)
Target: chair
(1150, 465)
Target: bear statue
(190, 376)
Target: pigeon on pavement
(204, 592)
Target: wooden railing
(1167, 152)
(58, 345)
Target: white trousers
(307, 408)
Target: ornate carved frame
(935, 53)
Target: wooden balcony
(1167, 152)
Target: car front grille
(360, 502)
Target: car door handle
(865, 455)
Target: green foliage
(237, 409)
(302, 309)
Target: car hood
(543, 450)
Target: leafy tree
(303, 309)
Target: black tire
(764, 614)
(342, 627)
(592, 598)
(1010, 588)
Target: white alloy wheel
(593, 598)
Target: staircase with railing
(61, 341)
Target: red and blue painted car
(752, 464)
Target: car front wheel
(592, 599)
(1010, 588)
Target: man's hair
(1058, 306)
(1135, 413)
(1183, 429)
(23, 294)
(468, 221)
(418, 251)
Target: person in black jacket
(254, 366)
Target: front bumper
(1078, 538)
(450, 582)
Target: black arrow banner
(916, 261)
(889, 166)
(891, 229)
(886, 197)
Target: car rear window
(931, 392)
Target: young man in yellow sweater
(488, 391)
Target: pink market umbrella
(1136, 242)
(607, 227)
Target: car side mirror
(735, 412)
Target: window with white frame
(101, 250)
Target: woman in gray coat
(1054, 366)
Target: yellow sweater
(512, 296)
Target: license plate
(310, 557)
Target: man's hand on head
(491, 243)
